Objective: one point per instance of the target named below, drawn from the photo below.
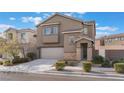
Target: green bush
(16, 60)
(1, 62)
(31, 55)
(72, 63)
(22, 60)
(87, 66)
(60, 65)
(98, 59)
(119, 67)
(7, 63)
(117, 61)
(106, 63)
(19, 60)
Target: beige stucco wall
(61, 40)
(65, 24)
(13, 31)
(70, 48)
(29, 45)
(112, 52)
(50, 39)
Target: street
(14, 76)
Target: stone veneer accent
(78, 53)
(70, 56)
(89, 54)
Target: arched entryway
(84, 49)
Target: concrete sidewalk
(96, 72)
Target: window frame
(23, 34)
(51, 28)
(10, 36)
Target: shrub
(117, 61)
(98, 59)
(19, 60)
(87, 66)
(7, 63)
(60, 65)
(16, 60)
(106, 63)
(119, 67)
(31, 55)
(22, 60)
(1, 62)
(72, 63)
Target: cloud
(101, 34)
(73, 13)
(107, 28)
(12, 18)
(45, 15)
(97, 24)
(82, 13)
(35, 20)
(5, 26)
(69, 14)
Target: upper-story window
(55, 29)
(23, 36)
(10, 36)
(85, 31)
(47, 30)
(71, 39)
(51, 30)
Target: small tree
(11, 48)
(2, 44)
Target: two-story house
(64, 37)
(25, 37)
(111, 47)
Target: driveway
(35, 66)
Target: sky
(107, 23)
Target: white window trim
(52, 32)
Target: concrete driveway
(35, 66)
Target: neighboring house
(25, 37)
(111, 47)
(64, 37)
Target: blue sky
(106, 22)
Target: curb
(74, 74)
(110, 76)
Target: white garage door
(52, 53)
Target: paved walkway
(45, 66)
(33, 66)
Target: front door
(84, 51)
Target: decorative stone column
(89, 52)
(78, 53)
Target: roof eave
(59, 15)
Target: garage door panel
(52, 53)
(114, 54)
